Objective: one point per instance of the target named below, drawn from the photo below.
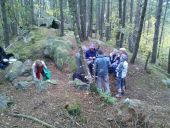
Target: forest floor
(49, 105)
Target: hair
(100, 52)
(38, 63)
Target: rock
(23, 85)
(3, 101)
(29, 78)
(166, 82)
(13, 70)
(27, 68)
(81, 85)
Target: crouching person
(121, 72)
(102, 64)
(40, 71)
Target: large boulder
(13, 70)
(58, 50)
(132, 111)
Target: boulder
(26, 68)
(23, 85)
(81, 85)
(13, 70)
(166, 82)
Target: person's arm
(44, 64)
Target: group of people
(101, 65)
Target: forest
(56, 31)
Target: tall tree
(102, 19)
(83, 18)
(73, 7)
(108, 21)
(133, 35)
(156, 34)
(162, 28)
(62, 18)
(5, 22)
(131, 11)
(32, 12)
(139, 32)
(120, 24)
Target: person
(79, 73)
(123, 51)
(121, 72)
(114, 60)
(101, 65)
(90, 56)
(4, 58)
(39, 71)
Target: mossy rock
(73, 109)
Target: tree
(102, 20)
(156, 34)
(133, 35)
(5, 22)
(73, 9)
(62, 18)
(139, 32)
(108, 21)
(120, 24)
(131, 11)
(162, 28)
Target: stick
(33, 119)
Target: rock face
(26, 68)
(13, 70)
(58, 50)
(130, 111)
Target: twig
(32, 118)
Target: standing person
(121, 72)
(123, 51)
(90, 56)
(39, 70)
(102, 64)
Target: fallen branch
(33, 119)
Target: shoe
(119, 95)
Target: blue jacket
(90, 53)
(102, 64)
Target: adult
(40, 71)
(4, 58)
(90, 56)
(102, 64)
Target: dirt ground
(49, 105)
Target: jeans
(120, 84)
(105, 80)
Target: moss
(73, 109)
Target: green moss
(73, 109)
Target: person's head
(100, 52)
(92, 47)
(39, 63)
(122, 50)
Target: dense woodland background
(139, 25)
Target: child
(39, 68)
(121, 72)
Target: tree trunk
(72, 6)
(82, 18)
(32, 12)
(162, 28)
(139, 32)
(123, 23)
(156, 34)
(131, 11)
(132, 36)
(91, 18)
(120, 24)
(102, 20)
(5, 23)
(169, 62)
(98, 15)
(108, 21)
(62, 18)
